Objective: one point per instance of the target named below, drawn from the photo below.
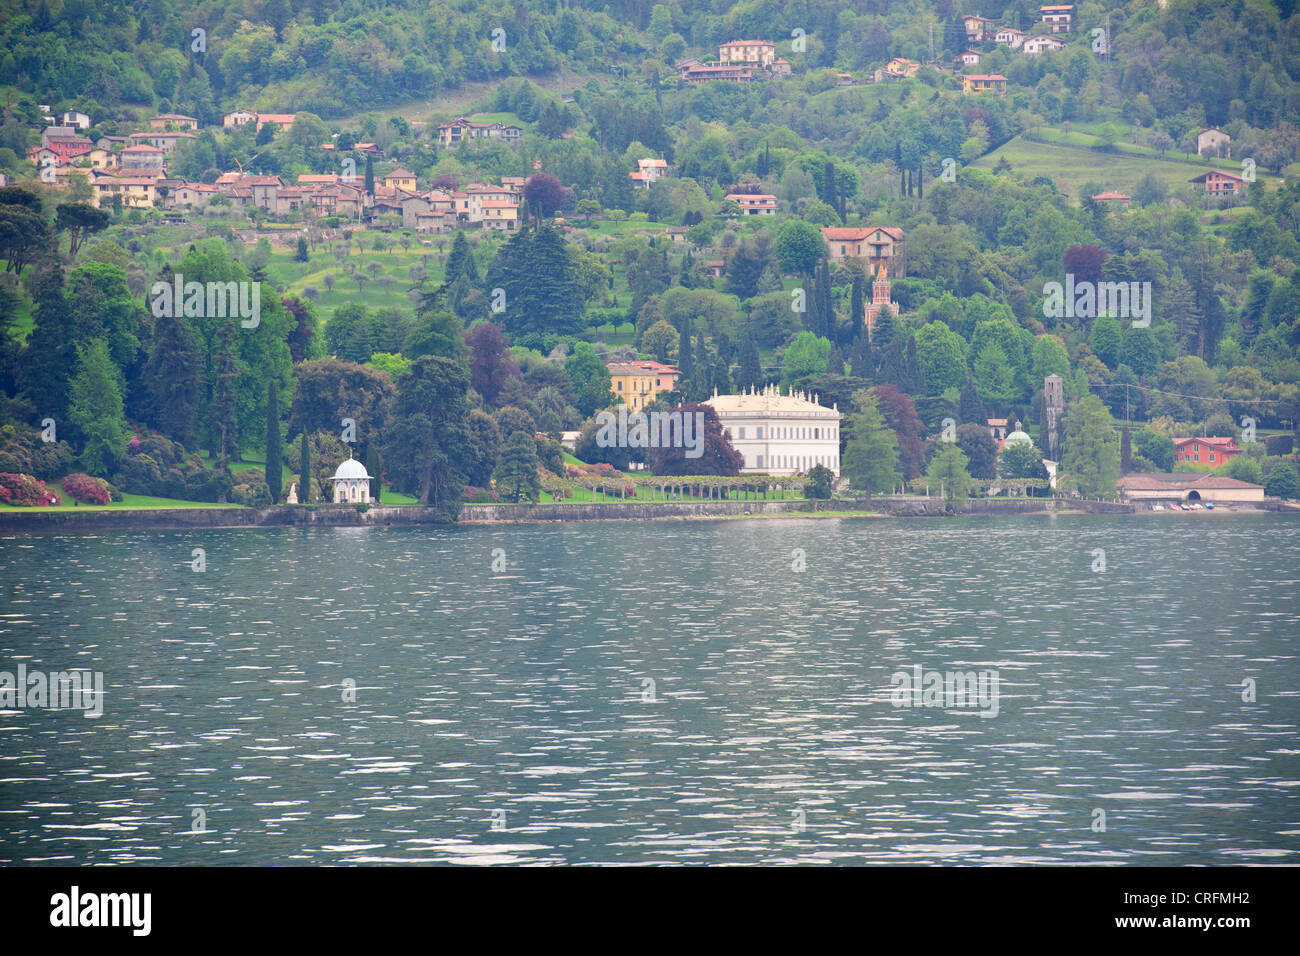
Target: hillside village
(863, 304)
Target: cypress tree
(685, 355)
(373, 469)
(304, 470)
(274, 463)
(835, 361)
(971, 410)
(370, 175)
(750, 373)
(225, 427)
(857, 308)
(828, 185)
(703, 372)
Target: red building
(1218, 183)
(1205, 451)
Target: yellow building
(984, 83)
(400, 178)
(638, 383)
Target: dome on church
(351, 469)
(1018, 437)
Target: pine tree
(304, 470)
(460, 261)
(871, 456)
(50, 357)
(274, 462)
(95, 407)
(172, 379)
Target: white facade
(351, 483)
(780, 434)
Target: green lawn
(129, 502)
(1069, 163)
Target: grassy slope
(1068, 161)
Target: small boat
(1209, 506)
(1157, 507)
(1175, 507)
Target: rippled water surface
(509, 717)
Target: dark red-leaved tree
(545, 194)
(718, 457)
(490, 363)
(1084, 262)
(446, 182)
(899, 412)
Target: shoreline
(92, 520)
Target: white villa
(780, 434)
(351, 483)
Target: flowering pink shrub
(83, 487)
(133, 446)
(475, 495)
(24, 491)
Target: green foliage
(871, 457)
(820, 479)
(516, 472)
(806, 355)
(1283, 482)
(96, 408)
(947, 469)
(1091, 445)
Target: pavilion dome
(351, 469)
(1018, 437)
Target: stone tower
(1053, 409)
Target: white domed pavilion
(351, 483)
(1018, 437)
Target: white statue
(293, 494)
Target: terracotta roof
(642, 368)
(1161, 481)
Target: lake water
(507, 717)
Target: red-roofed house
(1205, 451)
(753, 204)
(282, 120)
(876, 245)
(637, 383)
(1218, 183)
